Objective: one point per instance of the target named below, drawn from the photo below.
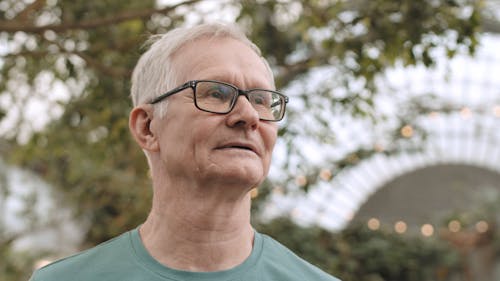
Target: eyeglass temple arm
(171, 92)
(279, 102)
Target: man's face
(208, 148)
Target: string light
(378, 147)
(427, 230)
(278, 190)
(325, 174)
(496, 110)
(400, 227)
(482, 226)
(466, 112)
(454, 226)
(373, 224)
(301, 180)
(433, 114)
(407, 131)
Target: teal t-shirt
(125, 258)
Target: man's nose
(243, 114)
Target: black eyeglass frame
(192, 84)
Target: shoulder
(94, 260)
(280, 260)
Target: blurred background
(388, 162)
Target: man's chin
(238, 176)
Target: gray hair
(154, 73)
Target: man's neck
(199, 236)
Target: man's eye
(218, 94)
(261, 100)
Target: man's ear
(140, 126)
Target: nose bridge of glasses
(249, 102)
(242, 93)
(245, 94)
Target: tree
(88, 49)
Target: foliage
(358, 253)
(88, 48)
(15, 265)
(361, 254)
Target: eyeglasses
(219, 97)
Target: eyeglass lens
(220, 98)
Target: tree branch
(289, 72)
(23, 16)
(96, 64)
(89, 60)
(14, 26)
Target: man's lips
(239, 145)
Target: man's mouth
(242, 146)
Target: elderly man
(205, 113)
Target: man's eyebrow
(220, 78)
(224, 78)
